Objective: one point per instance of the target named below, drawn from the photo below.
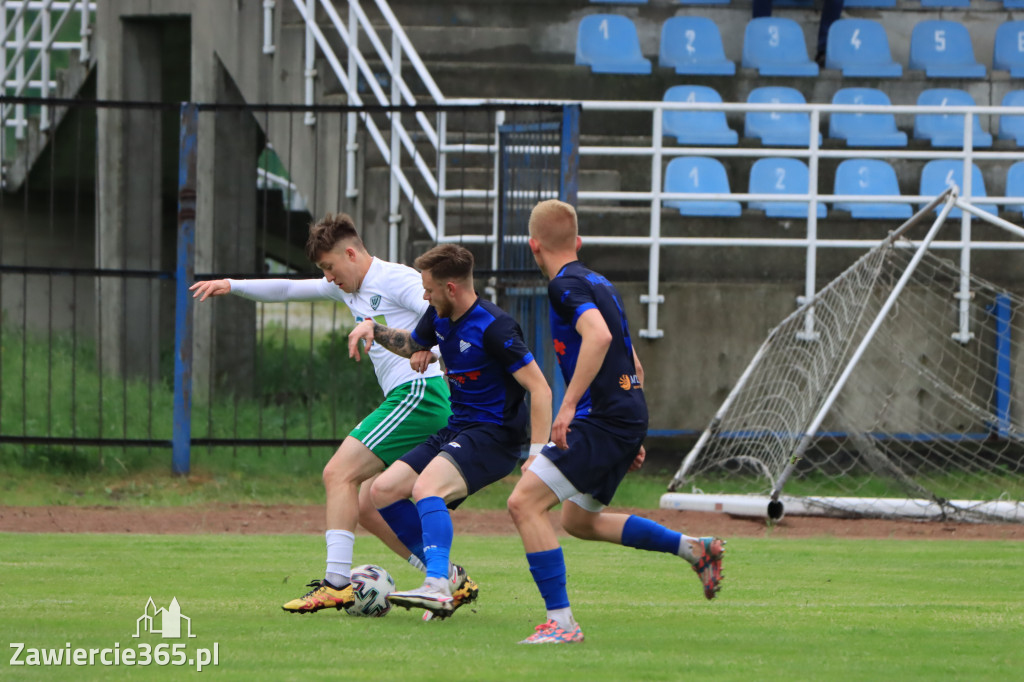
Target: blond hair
(553, 224)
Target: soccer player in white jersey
(415, 405)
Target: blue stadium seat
(775, 47)
(1015, 187)
(869, 3)
(940, 173)
(943, 49)
(867, 177)
(789, 129)
(693, 45)
(693, 174)
(1013, 4)
(608, 43)
(697, 127)
(865, 130)
(781, 176)
(1008, 53)
(945, 3)
(1012, 127)
(860, 48)
(947, 130)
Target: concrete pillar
(130, 198)
(226, 239)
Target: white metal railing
(652, 147)
(28, 26)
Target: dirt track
(258, 519)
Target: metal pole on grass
(184, 273)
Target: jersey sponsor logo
(627, 381)
(463, 346)
(438, 335)
(375, 301)
(461, 378)
(559, 347)
(453, 444)
(595, 278)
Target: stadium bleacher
(865, 130)
(867, 177)
(781, 176)
(775, 47)
(947, 130)
(703, 175)
(693, 45)
(776, 128)
(939, 174)
(860, 48)
(697, 127)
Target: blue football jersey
(614, 397)
(481, 350)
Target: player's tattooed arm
(398, 341)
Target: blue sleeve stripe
(526, 359)
(582, 309)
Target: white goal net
(896, 391)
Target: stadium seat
(940, 173)
(943, 49)
(619, 2)
(1015, 186)
(1008, 53)
(1012, 127)
(1013, 4)
(866, 177)
(693, 45)
(781, 176)
(865, 130)
(945, 3)
(788, 129)
(860, 48)
(608, 43)
(703, 2)
(697, 127)
(775, 47)
(701, 174)
(947, 130)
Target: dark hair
(325, 234)
(447, 262)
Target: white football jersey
(391, 294)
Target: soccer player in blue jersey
(489, 370)
(596, 436)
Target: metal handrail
(40, 36)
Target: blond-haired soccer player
(415, 402)
(597, 434)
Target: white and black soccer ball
(371, 586)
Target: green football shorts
(409, 414)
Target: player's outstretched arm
(211, 287)
(398, 341)
(422, 359)
(532, 379)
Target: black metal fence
(108, 218)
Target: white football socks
(563, 617)
(415, 562)
(339, 556)
(686, 549)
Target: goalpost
(893, 392)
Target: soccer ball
(371, 586)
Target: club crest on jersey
(463, 346)
(375, 301)
(626, 381)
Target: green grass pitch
(823, 609)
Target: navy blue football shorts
(590, 470)
(483, 453)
